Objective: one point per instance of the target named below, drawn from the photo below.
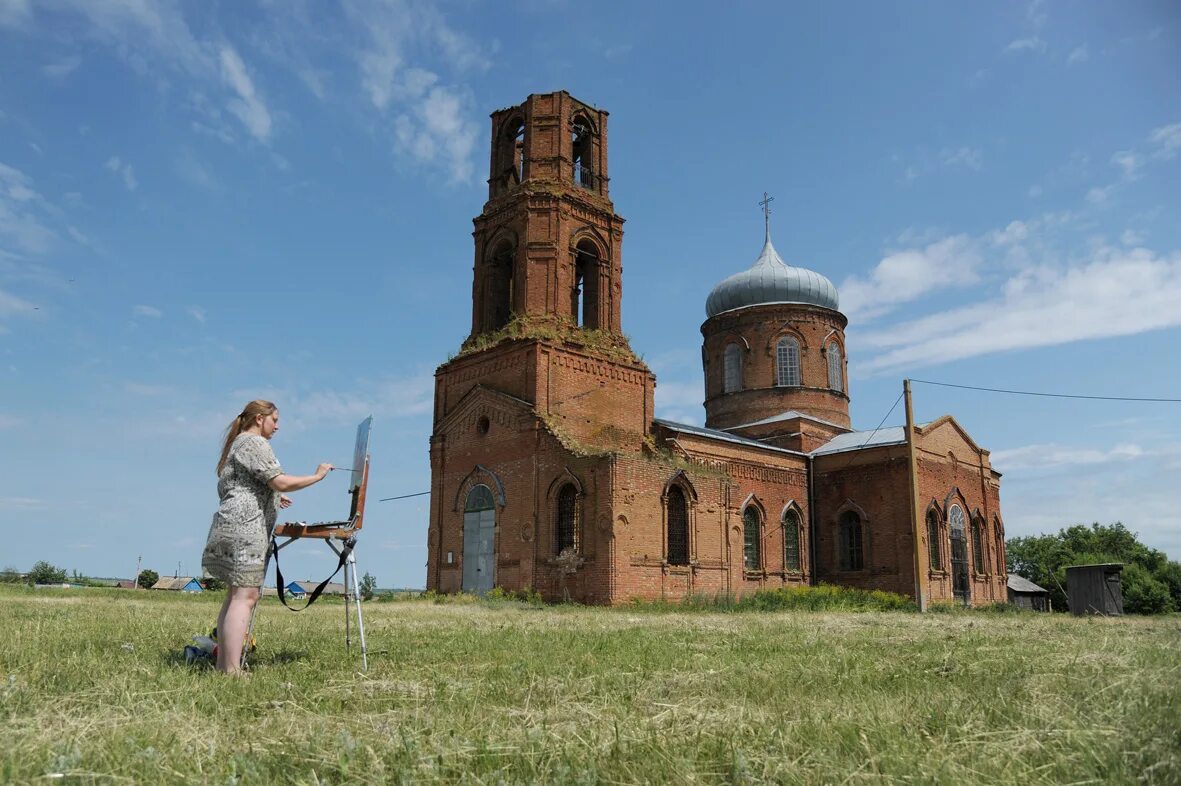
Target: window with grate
(791, 541)
(479, 498)
(933, 540)
(678, 527)
(566, 531)
(787, 362)
(978, 545)
(852, 553)
(751, 539)
(732, 369)
(835, 367)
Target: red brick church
(550, 472)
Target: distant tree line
(1151, 582)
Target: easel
(340, 536)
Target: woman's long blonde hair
(241, 423)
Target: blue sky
(204, 203)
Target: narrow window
(500, 286)
(584, 174)
(1000, 549)
(933, 540)
(852, 556)
(978, 545)
(751, 539)
(787, 362)
(835, 367)
(678, 527)
(566, 532)
(791, 541)
(732, 369)
(584, 306)
(519, 153)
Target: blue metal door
(479, 541)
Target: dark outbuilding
(1095, 589)
(1024, 594)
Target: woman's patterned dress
(236, 548)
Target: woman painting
(250, 483)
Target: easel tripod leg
(352, 563)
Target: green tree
(1151, 583)
(147, 578)
(213, 584)
(11, 575)
(1143, 593)
(368, 586)
(44, 573)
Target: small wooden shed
(1024, 594)
(1095, 589)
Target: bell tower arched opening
(584, 307)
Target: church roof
(1022, 584)
(771, 280)
(856, 440)
(710, 433)
(790, 414)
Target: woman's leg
(232, 632)
(221, 615)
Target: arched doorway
(959, 555)
(479, 541)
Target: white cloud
(61, 68)
(1035, 191)
(390, 398)
(1167, 139)
(1077, 55)
(147, 311)
(1051, 455)
(15, 13)
(1031, 44)
(142, 389)
(22, 213)
(197, 313)
(20, 503)
(438, 130)
(1129, 162)
(1131, 238)
(963, 156)
(124, 170)
(1042, 306)
(905, 275)
(1099, 195)
(248, 106)
(13, 306)
(192, 171)
(9, 421)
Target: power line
(404, 496)
(1048, 395)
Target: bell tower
(548, 243)
(547, 284)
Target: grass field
(92, 690)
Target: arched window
(960, 586)
(791, 540)
(787, 362)
(835, 367)
(1001, 567)
(585, 302)
(852, 552)
(732, 369)
(678, 527)
(978, 544)
(582, 144)
(933, 540)
(518, 163)
(566, 531)
(479, 498)
(500, 286)
(751, 539)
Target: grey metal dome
(771, 280)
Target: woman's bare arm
(297, 482)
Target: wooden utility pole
(921, 588)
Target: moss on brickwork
(602, 343)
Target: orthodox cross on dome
(766, 205)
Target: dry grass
(91, 690)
